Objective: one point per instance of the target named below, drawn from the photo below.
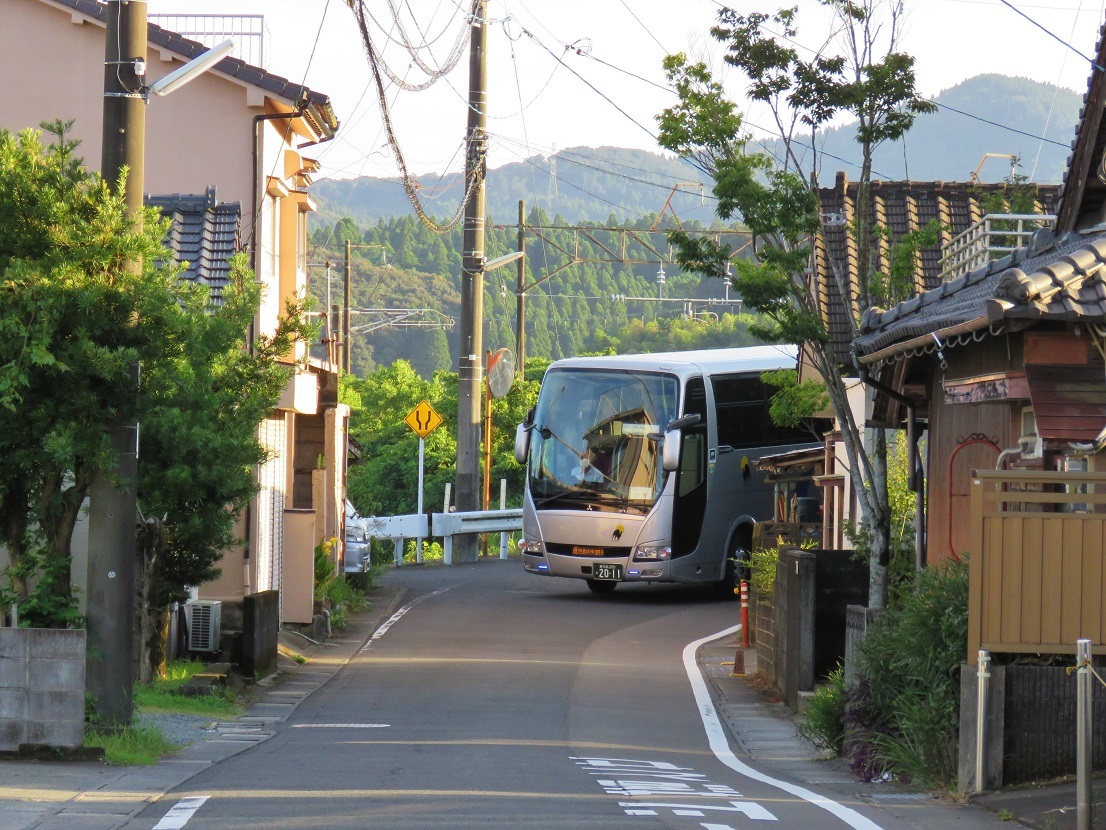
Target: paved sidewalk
(90, 795)
(766, 731)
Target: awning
(1069, 402)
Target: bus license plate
(606, 572)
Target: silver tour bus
(638, 466)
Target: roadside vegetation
(142, 745)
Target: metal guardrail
(448, 525)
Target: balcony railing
(994, 236)
(248, 31)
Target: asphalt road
(497, 699)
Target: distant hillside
(949, 145)
(579, 184)
(600, 184)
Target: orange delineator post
(744, 614)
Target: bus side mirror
(670, 451)
(522, 442)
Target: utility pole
(520, 297)
(345, 313)
(113, 510)
(471, 344)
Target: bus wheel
(737, 569)
(601, 586)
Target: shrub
(910, 663)
(340, 596)
(823, 720)
(762, 571)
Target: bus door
(690, 493)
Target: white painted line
(180, 813)
(720, 744)
(392, 620)
(340, 725)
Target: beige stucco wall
(196, 137)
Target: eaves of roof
(1055, 279)
(315, 106)
(901, 208)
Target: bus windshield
(596, 439)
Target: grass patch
(163, 695)
(130, 746)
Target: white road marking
(396, 617)
(180, 813)
(340, 725)
(720, 744)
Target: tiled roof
(317, 107)
(1083, 196)
(204, 235)
(1058, 277)
(1053, 279)
(901, 207)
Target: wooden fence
(1037, 562)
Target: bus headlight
(652, 553)
(532, 547)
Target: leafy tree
(777, 199)
(73, 320)
(385, 482)
(200, 408)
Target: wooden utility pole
(520, 297)
(345, 313)
(113, 510)
(471, 344)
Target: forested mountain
(948, 145)
(397, 263)
(581, 183)
(600, 184)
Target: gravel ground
(181, 730)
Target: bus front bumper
(580, 567)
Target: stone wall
(42, 687)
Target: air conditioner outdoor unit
(1030, 445)
(204, 624)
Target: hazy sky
(565, 73)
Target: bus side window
(691, 461)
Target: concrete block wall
(42, 686)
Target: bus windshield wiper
(566, 495)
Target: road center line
(720, 744)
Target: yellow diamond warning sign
(423, 419)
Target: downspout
(914, 481)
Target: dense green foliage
(87, 294)
(385, 481)
(823, 719)
(910, 668)
(574, 312)
(73, 320)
